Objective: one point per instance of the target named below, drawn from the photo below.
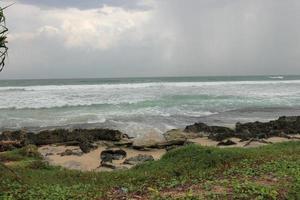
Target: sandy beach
(91, 161)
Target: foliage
(3, 39)
(192, 172)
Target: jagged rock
(226, 143)
(217, 133)
(56, 136)
(112, 154)
(138, 159)
(283, 125)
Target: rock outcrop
(138, 159)
(281, 126)
(148, 140)
(81, 137)
(217, 133)
(112, 154)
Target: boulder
(85, 145)
(175, 134)
(148, 140)
(138, 159)
(112, 154)
(226, 143)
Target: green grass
(269, 172)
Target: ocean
(139, 105)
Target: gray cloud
(86, 4)
(176, 38)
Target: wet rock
(112, 154)
(138, 159)
(226, 143)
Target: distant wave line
(144, 85)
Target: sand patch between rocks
(91, 161)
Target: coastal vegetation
(3, 39)
(186, 170)
(190, 172)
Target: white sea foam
(50, 105)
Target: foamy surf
(150, 102)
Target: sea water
(138, 105)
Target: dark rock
(124, 142)
(217, 133)
(226, 143)
(112, 154)
(138, 159)
(220, 136)
(69, 152)
(164, 145)
(85, 145)
(197, 128)
(283, 125)
(56, 136)
(112, 166)
(9, 145)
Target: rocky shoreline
(105, 149)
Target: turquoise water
(136, 105)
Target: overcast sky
(133, 38)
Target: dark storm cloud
(175, 38)
(85, 4)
